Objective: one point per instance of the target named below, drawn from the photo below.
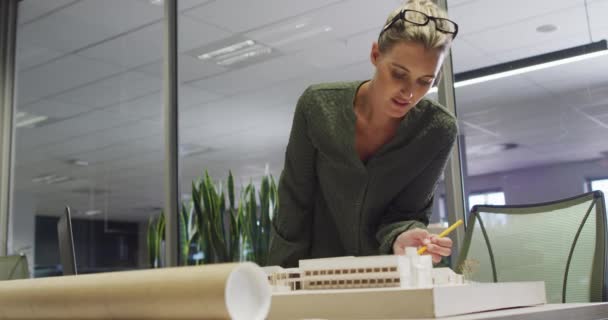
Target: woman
(363, 158)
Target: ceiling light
(24, 119)
(157, 2)
(50, 179)
(227, 50)
(490, 149)
(58, 180)
(244, 56)
(539, 62)
(546, 28)
(79, 163)
(534, 63)
(41, 179)
(91, 213)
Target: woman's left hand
(435, 246)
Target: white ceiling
(95, 68)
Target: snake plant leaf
(231, 189)
(234, 231)
(222, 219)
(253, 220)
(264, 221)
(191, 222)
(207, 215)
(184, 236)
(211, 200)
(274, 197)
(245, 242)
(160, 236)
(202, 221)
(152, 251)
(233, 235)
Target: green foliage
(188, 232)
(211, 232)
(156, 235)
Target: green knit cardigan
(333, 204)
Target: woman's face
(404, 74)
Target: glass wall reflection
(89, 111)
(537, 136)
(88, 131)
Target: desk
(568, 311)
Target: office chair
(562, 242)
(14, 267)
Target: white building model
(407, 271)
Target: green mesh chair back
(13, 267)
(562, 243)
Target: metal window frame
(171, 129)
(8, 32)
(454, 183)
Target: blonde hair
(428, 35)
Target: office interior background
(89, 122)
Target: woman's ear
(374, 54)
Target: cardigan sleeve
(412, 207)
(290, 237)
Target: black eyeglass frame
(401, 16)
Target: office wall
(534, 184)
(542, 183)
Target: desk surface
(568, 311)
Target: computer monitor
(66, 243)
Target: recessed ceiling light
(79, 163)
(91, 213)
(157, 2)
(546, 28)
(227, 50)
(50, 179)
(41, 179)
(490, 149)
(59, 179)
(24, 119)
(235, 52)
(244, 56)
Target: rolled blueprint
(221, 291)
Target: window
(533, 136)
(88, 132)
(492, 198)
(599, 185)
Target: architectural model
(405, 271)
(387, 287)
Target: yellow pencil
(443, 234)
